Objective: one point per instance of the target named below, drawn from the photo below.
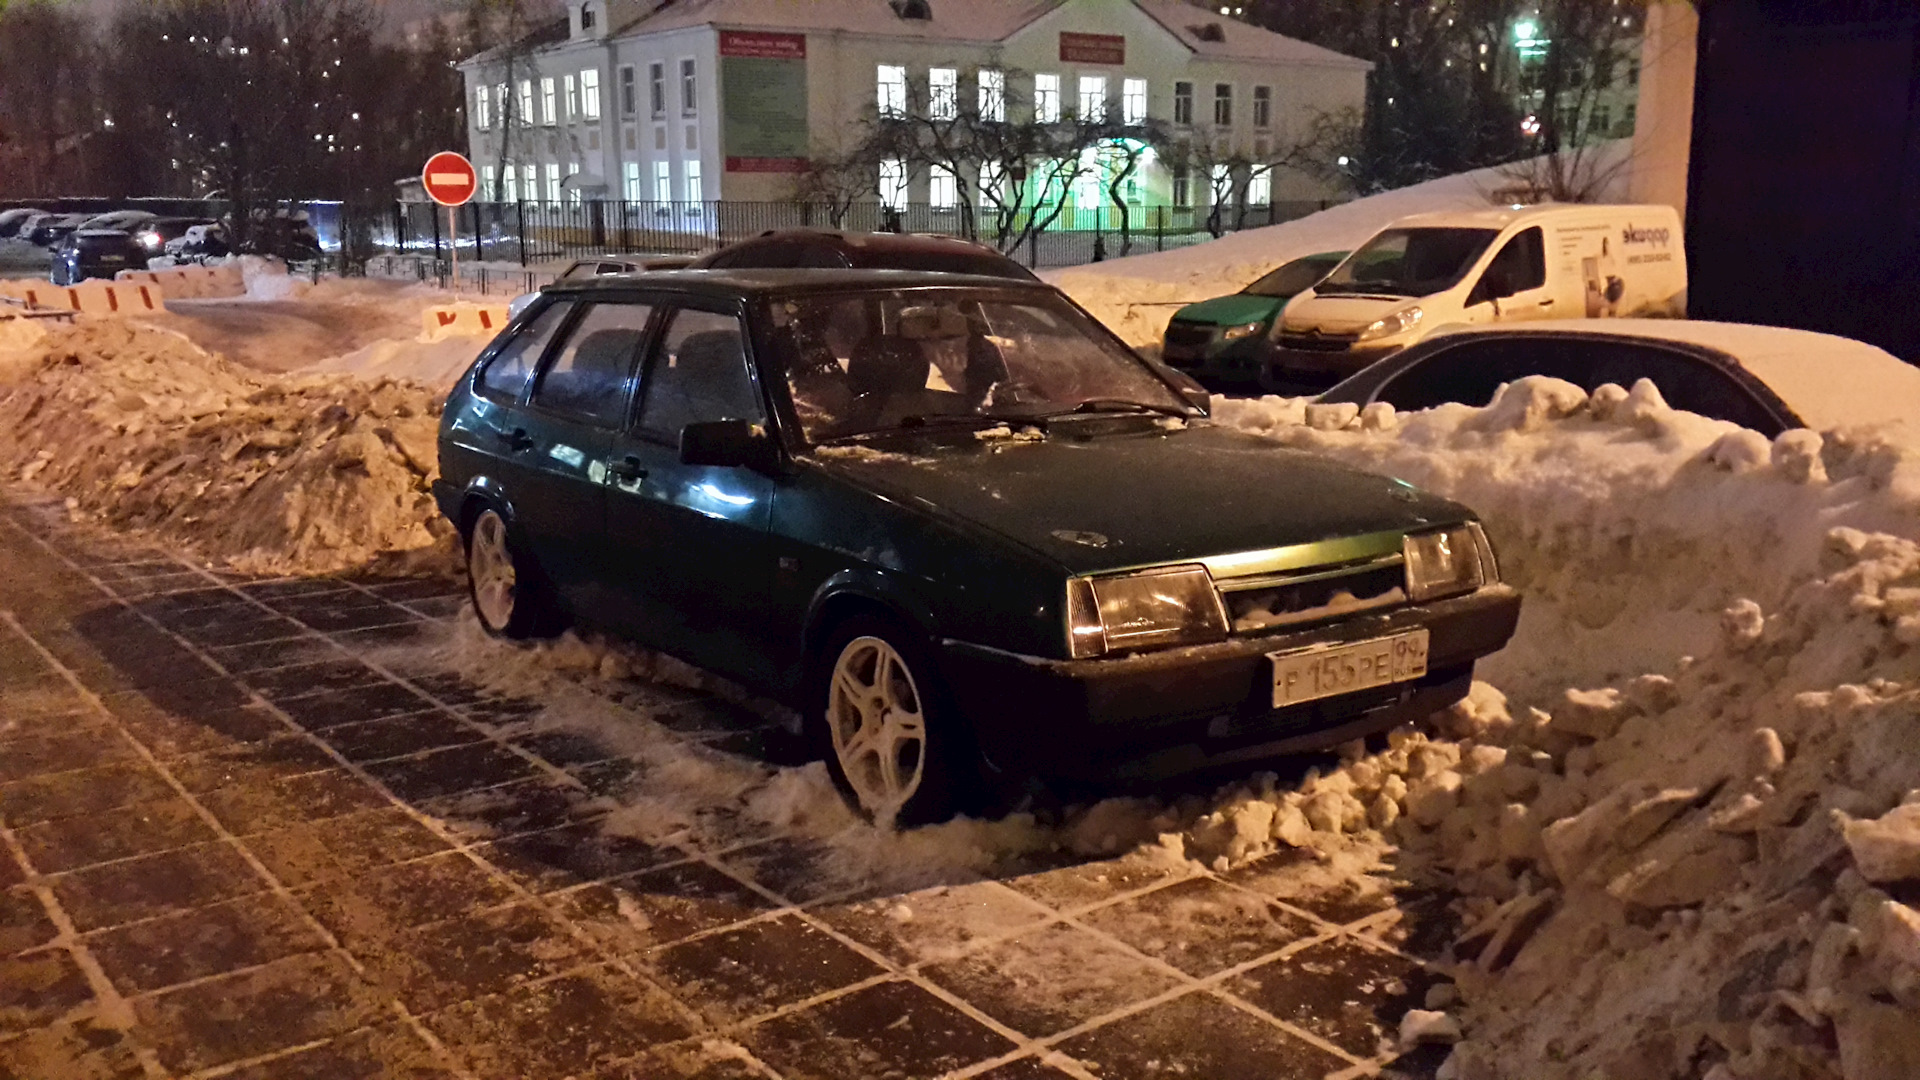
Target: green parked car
(955, 523)
(1224, 340)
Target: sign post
(450, 181)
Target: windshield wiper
(1110, 405)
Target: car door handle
(517, 439)
(1548, 302)
(627, 468)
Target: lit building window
(1093, 98)
(573, 99)
(993, 95)
(633, 192)
(487, 184)
(1260, 187)
(891, 92)
(590, 93)
(1046, 98)
(1221, 181)
(943, 188)
(573, 193)
(526, 102)
(943, 93)
(992, 174)
(481, 116)
(662, 181)
(1086, 183)
(893, 184)
(509, 184)
(530, 182)
(695, 192)
(549, 102)
(1133, 101)
(503, 104)
(553, 180)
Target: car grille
(1317, 342)
(1189, 335)
(1259, 604)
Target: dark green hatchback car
(956, 523)
(1225, 340)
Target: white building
(695, 100)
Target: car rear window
(944, 262)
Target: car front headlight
(150, 240)
(1448, 562)
(1235, 333)
(1398, 322)
(1173, 605)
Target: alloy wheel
(876, 719)
(490, 566)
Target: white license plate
(1327, 670)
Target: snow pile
(436, 364)
(267, 279)
(138, 426)
(1690, 842)
(1135, 296)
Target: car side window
(1686, 382)
(698, 373)
(588, 376)
(507, 373)
(1472, 372)
(1521, 265)
(821, 257)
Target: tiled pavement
(236, 843)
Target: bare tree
(47, 110)
(500, 36)
(837, 179)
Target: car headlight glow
(1172, 605)
(1448, 562)
(150, 240)
(1235, 333)
(1398, 322)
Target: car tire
(880, 717)
(510, 596)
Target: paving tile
(191, 700)
(75, 794)
(369, 911)
(260, 656)
(452, 771)
(38, 988)
(312, 677)
(1026, 1068)
(561, 1027)
(695, 1059)
(399, 736)
(389, 1052)
(659, 907)
(287, 1003)
(1051, 979)
(274, 593)
(146, 657)
(1279, 876)
(247, 808)
(756, 968)
(797, 869)
(322, 711)
(38, 704)
(79, 1049)
(472, 956)
(564, 748)
(260, 764)
(259, 627)
(933, 924)
(1347, 994)
(1420, 1063)
(169, 736)
(1424, 925)
(208, 941)
(1198, 1035)
(386, 636)
(608, 778)
(510, 809)
(451, 688)
(73, 842)
(498, 710)
(573, 854)
(350, 846)
(1081, 883)
(1200, 926)
(439, 607)
(893, 1029)
(23, 919)
(122, 892)
(344, 618)
(37, 751)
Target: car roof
(1830, 381)
(750, 281)
(876, 241)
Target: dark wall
(1803, 194)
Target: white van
(1423, 272)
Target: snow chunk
(1739, 451)
(1528, 404)
(1796, 455)
(1887, 848)
(1421, 1026)
(1331, 417)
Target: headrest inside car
(925, 323)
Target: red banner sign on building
(763, 46)
(1092, 48)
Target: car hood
(1109, 502)
(1235, 309)
(1338, 314)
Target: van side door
(1514, 284)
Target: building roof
(550, 32)
(1194, 26)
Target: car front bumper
(1286, 367)
(1225, 361)
(1159, 714)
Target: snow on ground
(1135, 296)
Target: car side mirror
(1188, 387)
(729, 444)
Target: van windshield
(1408, 262)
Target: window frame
(889, 93)
(629, 91)
(1046, 102)
(668, 307)
(549, 102)
(1129, 113)
(482, 113)
(992, 84)
(1262, 108)
(689, 86)
(1223, 105)
(572, 96)
(590, 93)
(529, 104)
(943, 93)
(582, 306)
(1183, 102)
(937, 177)
(1092, 98)
(657, 89)
(478, 377)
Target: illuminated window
(893, 184)
(481, 117)
(527, 114)
(487, 184)
(662, 182)
(553, 180)
(572, 98)
(1093, 98)
(891, 92)
(573, 193)
(943, 93)
(696, 193)
(1260, 187)
(1133, 101)
(993, 95)
(633, 192)
(1046, 98)
(549, 102)
(590, 93)
(509, 184)
(943, 188)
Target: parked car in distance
(1478, 268)
(95, 253)
(1225, 339)
(601, 265)
(200, 242)
(1766, 378)
(825, 249)
(937, 514)
(49, 230)
(11, 221)
(154, 235)
(125, 220)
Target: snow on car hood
(1114, 501)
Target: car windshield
(882, 360)
(1293, 278)
(1408, 262)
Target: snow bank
(268, 279)
(434, 364)
(137, 425)
(1135, 296)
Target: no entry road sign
(450, 179)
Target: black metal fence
(528, 233)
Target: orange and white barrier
(110, 298)
(462, 319)
(190, 282)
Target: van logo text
(1632, 235)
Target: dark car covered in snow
(953, 521)
(95, 253)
